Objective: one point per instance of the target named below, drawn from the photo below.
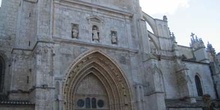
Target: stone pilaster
(44, 88)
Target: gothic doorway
(95, 82)
(91, 94)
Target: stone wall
(26, 35)
(8, 16)
(186, 51)
(85, 18)
(8, 26)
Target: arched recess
(158, 79)
(105, 75)
(198, 86)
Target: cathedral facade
(99, 55)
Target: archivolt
(107, 72)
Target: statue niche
(114, 37)
(95, 33)
(75, 30)
(96, 24)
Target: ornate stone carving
(21, 55)
(43, 49)
(94, 20)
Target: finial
(209, 46)
(165, 18)
(192, 35)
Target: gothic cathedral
(100, 55)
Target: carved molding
(95, 19)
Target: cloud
(163, 6)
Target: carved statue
(75, 31)
(114, 37)
(95, 33)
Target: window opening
(198, 86)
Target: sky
(186, 16)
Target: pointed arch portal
(95, 82)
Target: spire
(196, 42)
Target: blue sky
(185, 16)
